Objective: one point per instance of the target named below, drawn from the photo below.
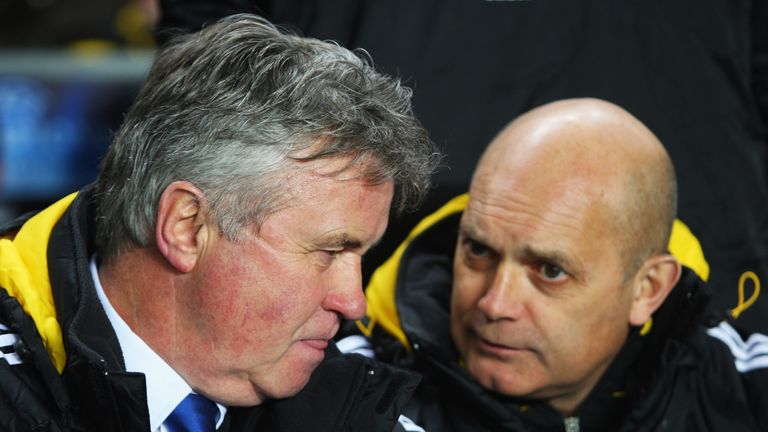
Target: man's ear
(180, 235)
(653, 282)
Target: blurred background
(69, 69)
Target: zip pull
(572, 424)
(744, 305)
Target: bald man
(548, 300)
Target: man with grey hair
(203, 275)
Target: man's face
(538, 307)
(268, 304)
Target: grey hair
(229, 107)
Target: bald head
(591, 152)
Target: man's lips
(318, 344)
(498, 349)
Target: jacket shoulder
(15, 224)
(700, 389)
(746, 355)
(31, 393)
(347, 392)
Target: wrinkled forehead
(563, 223)
(561, 202)
(537, 198)
(563, 175)
(563, 163)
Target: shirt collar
(165, 387)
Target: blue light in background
(57, 116)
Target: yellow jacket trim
(380, 293)
(684, 246)
(24, 275)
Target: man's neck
(568, 402)
(141, 288)
(165, 387)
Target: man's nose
(345, 295)
(503, 297)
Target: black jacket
(92, 391)
(675, 378)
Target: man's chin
(292, 390)
(283, 381)
(258, 393)
(495, 378)
(292, 387)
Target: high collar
(105, 395)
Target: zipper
(572, 424)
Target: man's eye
(327, 256)
(477, 249)
(332, 253)
(552, 273)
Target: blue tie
(194, 413)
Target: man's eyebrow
(560, 259)
(341, 240)
(470, 232)
(567, 262)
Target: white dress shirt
(165, 387)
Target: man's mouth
(318, 344)
(497, 349)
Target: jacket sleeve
(404, 424)
(31, 395)
(24, 405)
(756, 383)
(750, 357)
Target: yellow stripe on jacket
(24, 275)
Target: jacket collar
(104, 395)
(24, 275)
(86, 328)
